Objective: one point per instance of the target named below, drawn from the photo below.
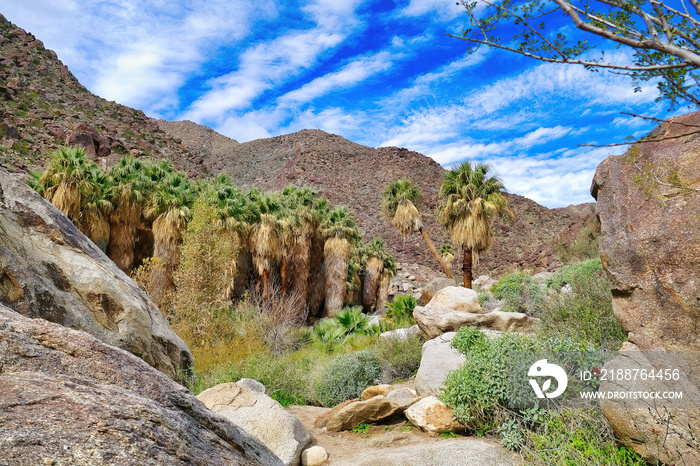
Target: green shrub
(478, 391)
(400, 310)
(337, 330)
(348, 377)
(583, 247)
(520, 293)
(399, 357)
(585, 312)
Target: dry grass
(265, 244)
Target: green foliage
(520, 293)
(585, 312)
(477, 392)
(361, 428)
(348, 377)
(399, 357)
(348, 322)
(448, 435)
(400, 310)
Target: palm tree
(340, 232)
(77, 187)
(265, 244)
(169, 206)
(397, 205)
(129, 191)
(447, 254)
(388, 271)
(95, 210)
(469, 198)
(374, 257)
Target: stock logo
(542, 368)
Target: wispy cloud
(444, 9)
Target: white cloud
(350, 75)
(272, 63)
(445, 9)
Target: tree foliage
(665, 39)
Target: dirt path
(395, 442)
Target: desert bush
(149, 277)
(347, 377)
(571, 436)
(584, 312)
(400, 310)
(399, 357)
(520, 293)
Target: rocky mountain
(42, 106)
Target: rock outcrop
(68, 398)
(246, 405)
(351, 415)
(648, 204)
(49, 269)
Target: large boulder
(456, 298)
(428, 291)
(49, 269)
(357, 412)
(246, 405)
(438, 359)
(68, 398)
(434, 321)
(648, 204)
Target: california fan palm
(469, 198)
(397, 205)
(340, 232)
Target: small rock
(323, 419)
(412, 277)
(406, 286)
(404, 397)
(314, 456)
(371, 392)
(436, 321)
(431, 415)
(401, 333)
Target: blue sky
(380, 73)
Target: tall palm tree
(397, 205)
(388, 271)
(77, 187)
(265, 244)
(96, 208)
(129, 192)
(373, 258)
(169, 206)
(340, 232)
(469, 198)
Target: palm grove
(291, 242)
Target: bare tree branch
(643, 141)
(575, 62)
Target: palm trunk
(373, 273)
(467, 268)
(383, 292)
(122, 238)
(431, 246)
(265, 276)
